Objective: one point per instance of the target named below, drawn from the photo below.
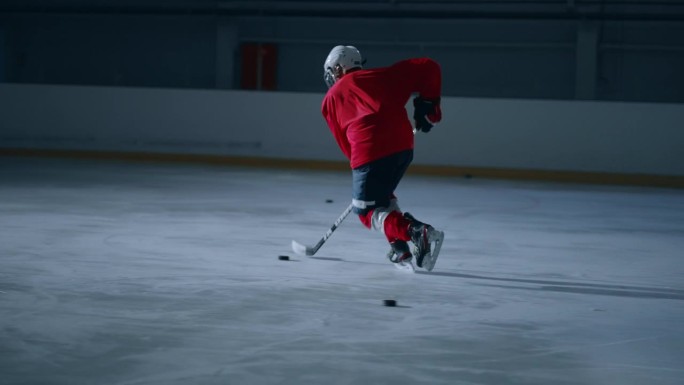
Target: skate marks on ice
(615, 290)
(403, 268)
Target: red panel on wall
(259, 66)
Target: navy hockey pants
(374, 182)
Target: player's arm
(424, 77)
(328, 111)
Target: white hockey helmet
(340, 59)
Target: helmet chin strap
(338, 71)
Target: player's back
(370, 107)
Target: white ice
(123, 273)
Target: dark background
(545, 49)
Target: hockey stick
(308, 250)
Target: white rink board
(604, 137)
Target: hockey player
(365, 111)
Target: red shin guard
(396, 227)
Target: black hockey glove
(426, 113)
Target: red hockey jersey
(365, 109)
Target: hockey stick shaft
(308, 250)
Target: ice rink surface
(124, 273)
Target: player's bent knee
(375, 219)
(367, 219)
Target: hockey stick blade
(300, 249)
(308, 250)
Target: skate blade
(431, 259)
(405, 266)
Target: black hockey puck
(390, 302)
(328, 201)
(283, 258)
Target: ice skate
(400, 255)
(400, 252)
(423, 236)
